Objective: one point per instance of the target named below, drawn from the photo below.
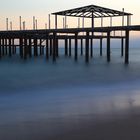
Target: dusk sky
(41, 8)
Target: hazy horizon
(41, 9)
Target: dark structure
(31, 42)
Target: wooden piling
(76, 46)
(66, 46)
(6, 51)
(127, 47)
(47, 48)
(35, 47)
(10, 50)
(57, 47)
(40, 46)
(92, 33)
(122, 47)
(51, 45)
(13, 47)
(0, 48)
(54, 47)
(101, 47)
(91, 47)
(42, 49)
(21, 47)
(108, 46)
(87, 48)
(30, 47)
(25, 48)
(69, 47)
(81, 47)
(3, 52)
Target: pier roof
(92, 11)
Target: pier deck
(47, 40)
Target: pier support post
(47, 47)
(25, 48)
(108, 46)
(51, 44)
(30, 47)
(43, 50)
(127, 47)
(3, 53)
(76, 46)
(91, 47)
(6, 47)
(101, 47)
(13, 47)
(10, 51)
(0, 47)
(69, 47)
(21, 47)
(66, 47)
(40, 46)
(54, 47)
(57, 47)
(122, 47)
(35, 47)
(87, 48)
(81, 47)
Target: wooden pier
(32, 43)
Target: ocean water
(41, 100)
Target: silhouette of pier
(32, 43)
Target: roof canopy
(92, 11)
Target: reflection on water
(75, 104)
(39, 99)
(60, 111)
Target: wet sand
(70, 101)
(125, 128)
(121, 127)
(65, 116)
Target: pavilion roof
(92, 11)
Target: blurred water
(39, 97)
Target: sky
(12, 9)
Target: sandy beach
(70, 101)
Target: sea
(45, 100)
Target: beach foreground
(74, 117)
(70, 100)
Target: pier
(36, 42)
